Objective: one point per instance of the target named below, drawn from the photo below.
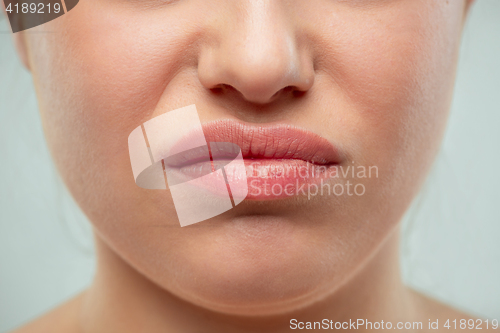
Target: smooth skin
(374, 77)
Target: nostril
(221, 88)
(295, 91)
(216, 90)
(285, 90)
(298, 93)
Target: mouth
(278, 159)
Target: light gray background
(451, 235)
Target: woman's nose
(255, 52)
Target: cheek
(395, 71)
(97, 81)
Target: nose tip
(260, 63)
(260, 87)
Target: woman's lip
(273, 141)
(277, 159)
(278, 142)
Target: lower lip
(266, 179)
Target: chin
(253, 271)
(252, 292)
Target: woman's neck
(123, 300)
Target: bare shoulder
(448, 318)
(64, 318)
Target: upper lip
(283, 142)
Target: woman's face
(374, 77)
